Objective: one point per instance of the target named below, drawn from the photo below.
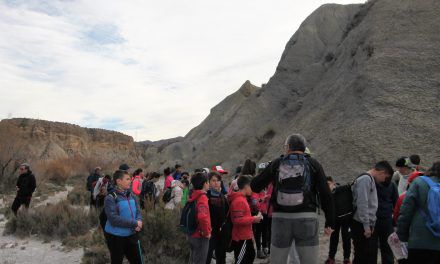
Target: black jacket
(218, 209)
(387, 196)
(319, 187)
(26, 184)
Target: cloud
(151, 69)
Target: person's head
(295, 143)
(124, 167)
(434, 171)
(167, 171)
(262, 167)
(185, 183)
(198, 170)
(403, 165)
(249, 168)
(122, 179)
(381, 171)
(244, 184)
(154, 176)
(97, 170)
(138, 172)
(415, 159)
(331, 183)
(215, 181)
(185, 175)
(108, 177)
(200, 181)
(238, 170)
(24, 168)
(178, 168)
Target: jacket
(203, 215)
(168, 180)
(136, 185)
(185, 196)
(26, 184)
(396, 211)
(122, 213)
(387, 198)
(265, 199)
(411, 226)
(241, 217)
(318, 186)
(218, 209)
(176, 194)
(94, 177)
(365, 201)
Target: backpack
(188, 218)
(432, 216)
(343, 198)
(103, 215)
(167, 195)
(226, 233)
(293, 182)
(148, 189)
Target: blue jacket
(122, 214)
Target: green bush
(53, 221)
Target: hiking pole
(140, 252)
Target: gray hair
(26, 166)
(296, 142)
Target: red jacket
(168, 180)
(241, 217)
(203, 217)
(136, 186)
(265, 199)
(396, 210)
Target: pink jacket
(265, 200)
(168, 180)
(136, 186)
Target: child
(242, 221)
(176, 195)
(199, 241)
(185, 194)
(123, 221)
(218, 208)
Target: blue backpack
(432, 217)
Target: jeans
(199, 247)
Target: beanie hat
(124, 167)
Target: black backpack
(293, 184)
(103, 215)
(226, 233)
(188, 218)
(148, 189)
(343, 199)
(167, 195)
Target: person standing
(91, 183)
(298, 180)
(25, 187)
(415, 224)
(365, 202)
(404, 170)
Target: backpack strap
(428, 181)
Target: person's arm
(112, 215)
(363, 187)
(136, 187)
(32, 184)
(395, 194)
(138, 216)
(203, 218)
(267, 176)
(407, 211)
(325, 195)
(396, 210)
(97, 187)
(238, 216)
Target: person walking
(25, 187)
(298, 180)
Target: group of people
(271, 210)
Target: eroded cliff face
(43, 140)
(361, 82)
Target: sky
(149, 69)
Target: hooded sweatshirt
(241, 217)
(365, 201)
(26, 184)
(136, 186)
(203, 217)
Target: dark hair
(249, 168)
(402, 162)
(384, 166)
(213, 174)
(198, 170)
(243, 181)
(154, 175)
(185, 181)
(107, 176)
(167, 171)
(184, 173)
(137, 172)
(415, 159)
(238, 169)
(329, 178)
(177, 166)
(119, 174)
(296, 142)
(198, 180)
(434, 170)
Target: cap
(262, 166)
(124, 167)
(219, 169)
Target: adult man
(91, 183)
(26, 185)
(298, 179)
(365, 202)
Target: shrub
(52, 221)
(79, 195)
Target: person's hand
(16, 187)
(328, 231)
(368, 233)
(137, 229)
(258, 217)
(139, 224)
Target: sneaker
(260, 254)
(266, 251)
(347, 261)
(330, 261)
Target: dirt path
(32, 250)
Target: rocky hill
(361, 82)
